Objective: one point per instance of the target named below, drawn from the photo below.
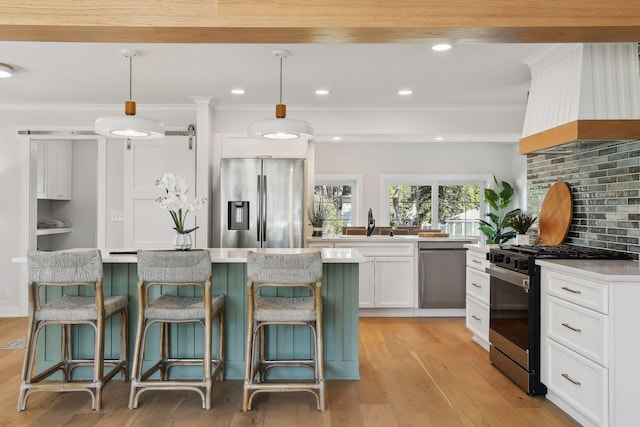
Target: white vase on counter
(183, 241)
(523, 239)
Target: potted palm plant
(521, 224)
(495, 230)
(317, 213)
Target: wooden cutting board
(555, 215)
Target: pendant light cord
(280, 79)
(130, 78)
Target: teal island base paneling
(340, 319)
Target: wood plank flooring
(414, 372)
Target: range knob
(495, 257)
(522, 264)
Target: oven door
(509, 320)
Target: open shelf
(48, 231)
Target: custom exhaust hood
(582, 93)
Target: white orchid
(175, 200)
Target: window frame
(434, 180)
(355, 180)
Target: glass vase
(183, 242)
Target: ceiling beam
(308, 21)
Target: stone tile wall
(605, 184)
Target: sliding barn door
(146, 224)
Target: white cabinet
(477, 290)
(590, 343)
(394, 284)
(388, 277)
(54, 169)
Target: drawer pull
(476, 261)
(573, 291)
(477, 286)
(568, 378)
(475, 317)
(568, 326)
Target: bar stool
(175, 271)
(64, 269)
(279, 271)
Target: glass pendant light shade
(129, 126)
(280, 127)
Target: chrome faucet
(371, 223)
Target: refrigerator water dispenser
(238, 215)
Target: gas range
(521, 258)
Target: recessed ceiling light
(337, 138)
(439, 138)
(405, 92)
(322, 92)
(441, 47)
(237, 91)
(6, 70)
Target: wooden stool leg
(138, 357)
(98, 364)
(67, 351)
(221, 344)
(29, 359)
(124, 337)
(164, 350)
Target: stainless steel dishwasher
(441, 274)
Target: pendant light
(129, 126)
(280, 127)
(6, 70)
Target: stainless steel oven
(514, 321)
(513, 327)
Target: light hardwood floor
(414, 372)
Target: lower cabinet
(394, 284)
(590, 343)
(477, 289)
(388, 278)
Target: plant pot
(317, 232)
(182, 242)
(523, 239)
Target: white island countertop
(228, 255)
(597, 269)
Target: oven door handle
(509, 276)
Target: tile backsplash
(605, 185)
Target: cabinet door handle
(477, 286)
(568, 326)
(573, 291)
(568, 378)
(475, 317)
(476, 261)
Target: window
(338, 195)
(410, 205)
(449, 204)
(459, 209)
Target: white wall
(372, 159)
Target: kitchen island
(229, 278)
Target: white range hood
(582, 92)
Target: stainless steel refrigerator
(262, 203)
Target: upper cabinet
(54, 169)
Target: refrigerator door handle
(259, 216)
(264, 210)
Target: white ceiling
(359, 76)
